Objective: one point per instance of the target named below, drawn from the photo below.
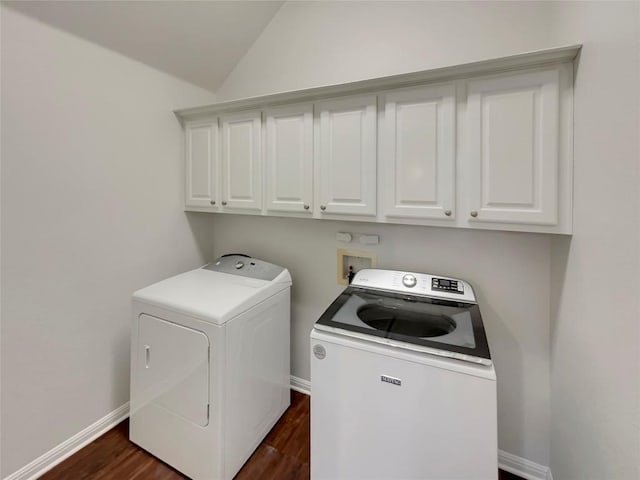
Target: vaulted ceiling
(197, 41)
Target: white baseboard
(70, 446)
(300, 385)
(522, 467)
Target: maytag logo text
(393, 381)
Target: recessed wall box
(351, 262)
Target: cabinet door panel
(419, 152)
(347, 155)
(202, 162)
(513, 148)
(241, 173)
(289, 158)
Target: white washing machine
(210, 364)
(402, 382)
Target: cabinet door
(513, 148)
(347, 155)
(289, 158)
(419, 153)
(241, 157)
(201, 139)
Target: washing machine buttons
(239, 265)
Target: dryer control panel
(245, 266)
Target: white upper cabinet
(346, 166)
(418, 153)
(513, 148)
(201, 142)
(289, 159)
(482, 145)
(241, 161)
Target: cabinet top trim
(493, 65)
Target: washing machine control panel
(245, 266)
(415, 284)
(447, 285)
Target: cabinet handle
(447, 213)
(306, 207)
(212, 202)
(323, 207)
(147, 356)
(474, 214)
(224, 203)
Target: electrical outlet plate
(357, 260)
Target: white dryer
(210, 364)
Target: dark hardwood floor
(283, 455)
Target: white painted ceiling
(197, 41)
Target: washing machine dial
(239, 265)
(409, 280)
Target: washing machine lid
(430, 319)
(218, 291)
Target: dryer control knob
(409, 281)
(239, 265)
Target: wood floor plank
(283, 455)
(99, 455)
(290, 436)
(268, 463)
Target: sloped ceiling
(197, 41)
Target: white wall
(596, 314)
(311, 44)
(92, 202)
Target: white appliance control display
(447, 285)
